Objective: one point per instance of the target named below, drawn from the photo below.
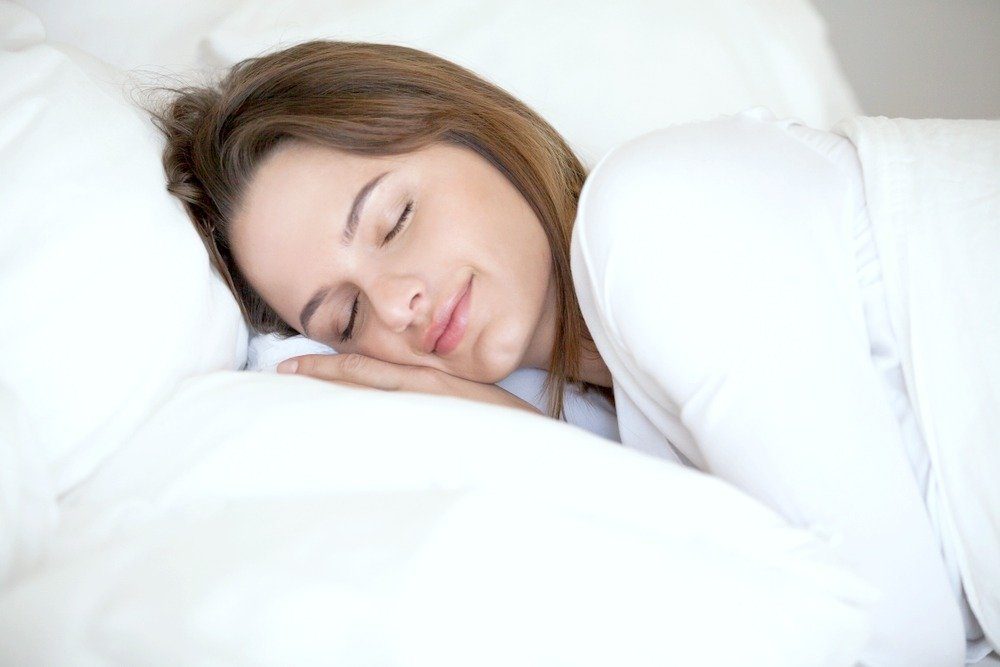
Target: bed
(162, 506)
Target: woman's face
(441, 260)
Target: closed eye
(349, 331)
(400, 224)
(403, 218)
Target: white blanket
(246, 523)
(933, 189)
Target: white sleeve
(716, 263)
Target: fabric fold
(933, 191)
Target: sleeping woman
(738, 287)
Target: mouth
(450, 323)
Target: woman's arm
(368, 372)
(715, 269)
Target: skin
(466, 221)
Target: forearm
(449, 385)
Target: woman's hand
(359, 370)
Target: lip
(450, 323)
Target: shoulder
(729, 176)
(754, 136)
(723, 143)
(675, 228)
(728, 153)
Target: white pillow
(258, 518)
(600, 72)
(107, 295)
(131, 33)
(266, 351)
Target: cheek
(443, 240)
(384, 348)
(533, 271)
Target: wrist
(451, 385)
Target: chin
(480, 373)
(502, 356)
(494, 377)
(495, 357)
(496, 368)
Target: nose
(397, 300)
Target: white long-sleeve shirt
(726, 272)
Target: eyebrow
(351, 226)
(350, 229)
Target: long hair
(375, 100)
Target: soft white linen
(231, 528)
(90, 233)
(601, 73)
(246, 523)
(107, 295)
(266, 351)
(591, 411)
(934, 197)
(28, 512)
(158, 37)
(716, 268)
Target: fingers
(354, 369)
(357, 370)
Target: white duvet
(239, 526)
(933, 189)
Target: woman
(401, 210)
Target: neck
(592, 366)
(593, 370)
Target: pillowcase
(601, 73)
(589, 411)
(263, 518)
(129, 34)
(107, 294)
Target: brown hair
(366, 99)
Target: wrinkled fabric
(720, 269)
(933, 189)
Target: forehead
(303, 191)
(297, 183)
(291, 216)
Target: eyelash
(403, 219)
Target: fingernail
(288, 366)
